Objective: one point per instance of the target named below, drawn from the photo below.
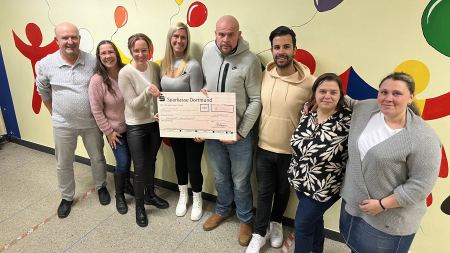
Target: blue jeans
(361, 237)
(309, 227)
(122, 155)
(232, 165)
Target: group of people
(378, 155)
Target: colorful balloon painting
(120, 16)
(435, 21)
(306, 58)
(326, 5)
(196, 14)
(445, 206)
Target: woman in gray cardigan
(393, 164)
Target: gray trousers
(65, 145)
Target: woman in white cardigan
(139, 84)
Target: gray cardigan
(406, 164)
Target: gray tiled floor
(28, 221)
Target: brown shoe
(213, 221)
(245, 233)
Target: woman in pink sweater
(107, 106)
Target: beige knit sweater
(140, 107)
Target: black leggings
(143, 142)
(188, 157)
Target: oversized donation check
(194, 114)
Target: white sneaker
(197, 206)
(267, 233)
(255, 244)
(276, 234)
(182, 201)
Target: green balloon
(436, 25)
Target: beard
(286, 63)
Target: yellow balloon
(179, 2)
(420, 104)
(123, 57)
(418, 70)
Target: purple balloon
(326, 5)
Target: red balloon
(150, 54)
(197, 14)
(306, 58)
(120, 16)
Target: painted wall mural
(435, 20)
(435, 31)
(434, 16)
(326, 5)
(34, 51)
(197, 14)
(119, 20)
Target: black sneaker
(103, 196)
(64, 208)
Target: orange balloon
(120, 16)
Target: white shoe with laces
(182, 201)
(256, 243)
(197, 206)
(276, 234)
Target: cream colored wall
(372, 36)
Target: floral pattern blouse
(320, 153)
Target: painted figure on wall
(34, 51)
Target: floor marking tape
(45, 221)
(288, 243)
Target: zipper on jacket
(221, 85)
(224, 77)
(218, 76)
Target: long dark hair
(409, 82)
(329, 77)
(100, 68)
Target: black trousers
(188, 157)
(143, 142)
(273, 185)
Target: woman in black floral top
(318, 161)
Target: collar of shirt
(80, 60)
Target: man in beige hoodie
(286, 86)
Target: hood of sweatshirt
(242, 46)
(302, 72)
